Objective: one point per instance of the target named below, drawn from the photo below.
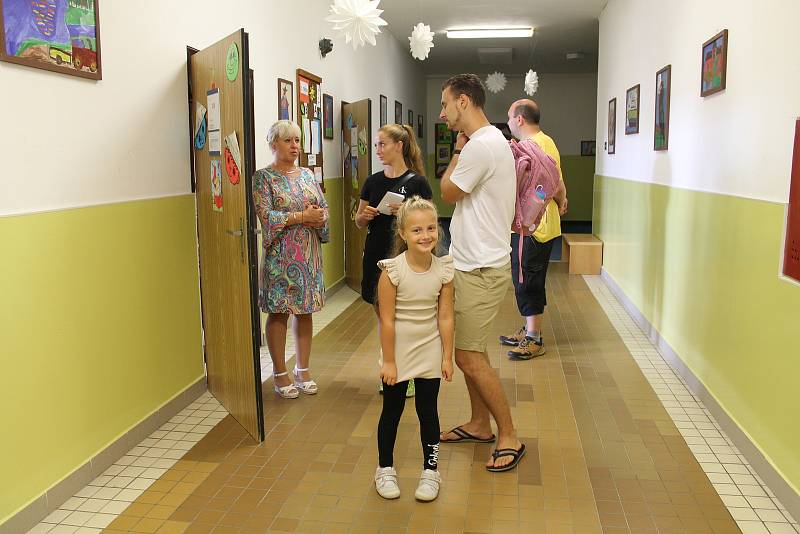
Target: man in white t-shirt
(481, 180)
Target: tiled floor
(606, 453)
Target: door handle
(240, 234)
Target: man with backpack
(530, 255)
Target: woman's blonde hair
(412, 155)
(282, 129)
(415, 203)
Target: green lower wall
(703, 269)
(333, 252)
(578, 174)
(100, 326)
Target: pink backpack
(537, 182)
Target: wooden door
(227, 244)
(355, 117)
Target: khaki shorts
(479, 294)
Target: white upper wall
(737, 142)
(567, 103)
(72, 142)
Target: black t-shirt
(380, 239)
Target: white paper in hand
(389, 198)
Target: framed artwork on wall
(327, 116)
(398, 112)
(587, 148)
(410, 118)
(56, 35)
(661, 129)
(632, 110)
(612, 126)
(384, 111)
(443, 133)
(285, 100)
(420, 127)
(714, 64)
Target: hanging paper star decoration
(531, 82)
(496, 82)
(358, 20)
(421, 41)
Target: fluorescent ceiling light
(490, 32)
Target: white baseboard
(773, 479)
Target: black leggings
(394, 400)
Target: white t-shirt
(480, 231)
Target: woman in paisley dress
(294, 222)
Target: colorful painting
(56, 35)
(442, 153)
(398, 112)
(632, 110)
(420, 127)
(216, 185)
(661, 130)
(443, 133)
(384, 111)
(327, 116)
(285, 99)
(715, 63)
(612, 126)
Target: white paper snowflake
(358, 20)
(496, 82)
(421, 41)
(531, 82)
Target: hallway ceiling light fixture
(496, 82)
(358, 20)
(531, 83)
(488, 33)
(421, 41)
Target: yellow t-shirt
(550, 225)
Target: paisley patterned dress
(290, 278)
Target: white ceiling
(562, 26)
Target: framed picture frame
(384, 119)
(410, 118)
(714, 64)
(443, 154)
(661, 125)
(327, 116)
(285, 100)
(612, 126)
(420, 127)
(588, 148)
(443, 133)
(398, 112)
(632, 110)
(57, 35)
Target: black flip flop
(466, 437)
(516, 453)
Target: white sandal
(308, 387)
(287, 392)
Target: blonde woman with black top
(403, 173)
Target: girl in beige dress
(415, 304)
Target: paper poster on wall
(312, 160)
(216, 185)
(214, 143)
(232, 143)
(354, 140)
(214, 134)
(199, 117)
(306, 131)
(318, 174)
(200, 136)
(362, 142)
(303, 90)
(316, 136)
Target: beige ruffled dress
(418, 345)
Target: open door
(356, 117)
(221, 79)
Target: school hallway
(615, 443)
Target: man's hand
(461, 140)
(562, 207)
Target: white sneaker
(429, 483)
(386, 482)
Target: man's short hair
(469, 85)
(530, 113)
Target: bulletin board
(310, 119)
(791, 259)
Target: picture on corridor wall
(661, 130)
(632, 110)
(57, 35)
(410, 118)
(420, 127)
(384, 111)
(587, 148)
(612, 126)
(443, 133)
(398, 112)
(285, 99)
(327, 116)
(715, 63)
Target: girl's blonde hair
(412, 155)
(414, 203)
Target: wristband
(457, 151)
